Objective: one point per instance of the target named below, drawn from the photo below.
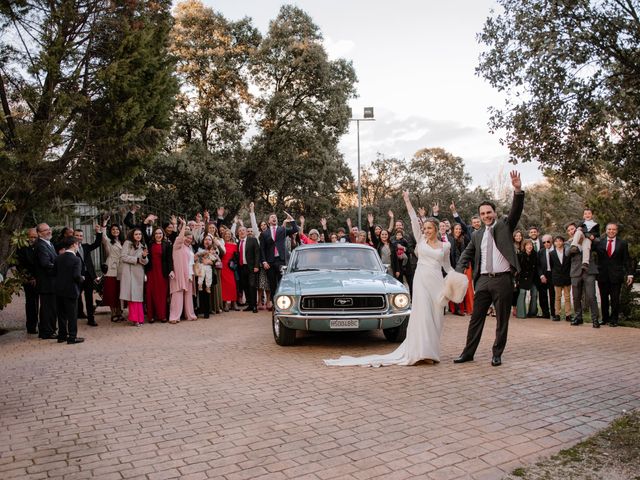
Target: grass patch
(613, 453)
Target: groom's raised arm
(517, 204)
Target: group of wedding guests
(180, 269)
(559, 273)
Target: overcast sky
(415, 62)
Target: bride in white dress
(425, 323)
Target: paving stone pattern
(217, 398)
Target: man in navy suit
(45, 256)
(614, 269)
(248, 267)
(273, 248)
(67, 268)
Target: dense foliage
(86, 89)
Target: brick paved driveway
(218, 399)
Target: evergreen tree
(302, 112)
(86, 89)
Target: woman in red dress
(158, 270)
(228, 275)
(460, 241)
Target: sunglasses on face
(547, 241)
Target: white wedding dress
(427, 310)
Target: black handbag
(233, 262)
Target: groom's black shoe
(463, 358)
(496, 361)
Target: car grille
(343, 302)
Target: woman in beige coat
(132, 261)
(112, 243)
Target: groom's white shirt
(500, 263)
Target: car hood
(339, 282)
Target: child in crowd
(561, 277)
(587, 232)
(402, 247)
(204, 272)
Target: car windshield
(318, 258)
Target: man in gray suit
(582, 281)
(494, 264)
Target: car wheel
(396, 334)
(284, 336)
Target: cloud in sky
(401, 136)
(338, 48)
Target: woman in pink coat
(181, 279)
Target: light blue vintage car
(336, 287)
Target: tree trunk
(12, 223)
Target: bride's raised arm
(415, 224)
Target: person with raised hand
(494, 265)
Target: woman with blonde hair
(215, 299)
(422, 342)
(181, 279)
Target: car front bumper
(322, 322)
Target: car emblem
(343, 302)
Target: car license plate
(344, 323)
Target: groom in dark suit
(494, 264)
(273, 248)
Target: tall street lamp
(367, 117)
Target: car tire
(284, 336)
(396, 334)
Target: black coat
(130, 223)
(251, 251)
(67, 269)
(528, 270)
(45, 256)
(560, 272)
(27, 261)
(407, 268)
(457, 248)
(613, 269)
(88, 269)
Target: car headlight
(401, 300)
(283, 302)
